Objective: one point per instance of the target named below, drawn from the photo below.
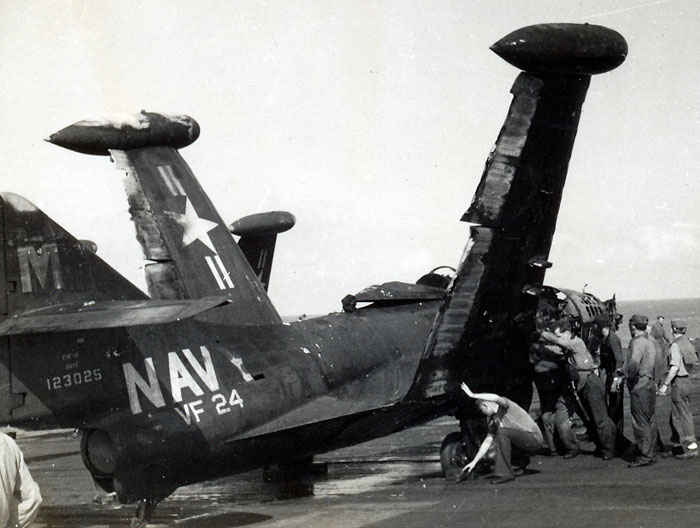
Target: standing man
(19, 494)
(659, 330)
(682, 427)
(589, 386)
(612, 359)
(662, 409)
(509, 425)
(639, 371)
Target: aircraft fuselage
(193, 392)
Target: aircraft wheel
(452, 455)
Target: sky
(370, 121)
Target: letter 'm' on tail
(191, 252)
(41, 264)
(482, 330)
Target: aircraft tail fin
(484, 325)
(41, 264)
(191, 252)
(258, 234)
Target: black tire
(452, 455)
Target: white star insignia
(194, 227)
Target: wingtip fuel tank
(569, 49)
(127, 131)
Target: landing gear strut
(144, 512)
(452, 455)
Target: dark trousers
(682, 426)
(642, 404)
(525, 442)
(555, 410)
(615, 403)
(662, 416)
(592, 396)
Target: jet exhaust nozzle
(124, 132)
(569, 49)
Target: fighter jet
(202, 378)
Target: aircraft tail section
(41, 264)
(258, 234)
(483, 328)
(191, 252)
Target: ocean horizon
(687, 309)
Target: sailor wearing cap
(639, 371)
(682, 358)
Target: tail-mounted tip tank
(569, 49)
(124, 132)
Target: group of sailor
(575, 379)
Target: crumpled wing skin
(193, 253)
(481, 331)
(105, 314)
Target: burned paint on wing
(488, 314)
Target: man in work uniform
(682, 427)
(509, 426)
(612, 359)
(19, 494)
(662, 409)
(589, 386)
(659, 330)
(550, 380)
(639, 372)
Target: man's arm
(676, 359)
(616, 347)
(561, 341)
(483, 449)
(635, 357)
(486, 396)
(552, 351)
(27, 494)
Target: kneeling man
(509, 426)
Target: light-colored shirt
(517, 418)
(19, 494)
(641, 359)
(582, 358)
(677, 360)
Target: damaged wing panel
(108, 314)
(516, 204)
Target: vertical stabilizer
(41, 264)
(191, 252)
